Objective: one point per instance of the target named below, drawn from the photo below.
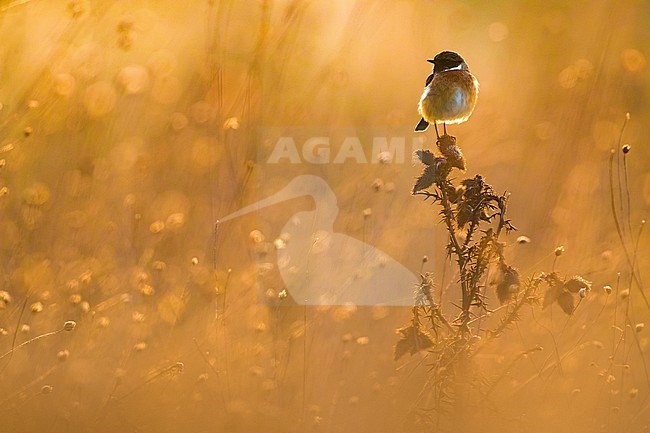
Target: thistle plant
(475, 218)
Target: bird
(450, 93)
(319, 266)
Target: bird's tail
(422, 125)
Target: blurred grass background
(128, 127)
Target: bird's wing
(429, 78)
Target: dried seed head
(69, 325)
(157, 227)
(523, 240)
(608, 289)
(559, 251)
(384, 157)
(282, 294)
(425, 259)
(103, 322)
(5, 299)
(639, 327)
(37, 307)
(363, 341)
(452, 153)
(62, 355)
(46, 389)
(626, 149)
(256, 236)
(139, 347)
(231, 123)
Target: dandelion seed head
(77, 8)
(139, 347)
(146, 289)
(279, 244)
(363, 341)
(133, 79)
(231, 123)
(256, 236)
(633, 60)
(157, 227)
(5, 299)
(64, 84)
(385, 157)
(62, 355)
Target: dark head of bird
(446, 60)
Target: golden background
(127, 128)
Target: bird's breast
(449, 98)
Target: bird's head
(447, 60)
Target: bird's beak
(430, 60)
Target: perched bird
(450, 92)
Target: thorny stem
(449, 218)
(458, 251)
